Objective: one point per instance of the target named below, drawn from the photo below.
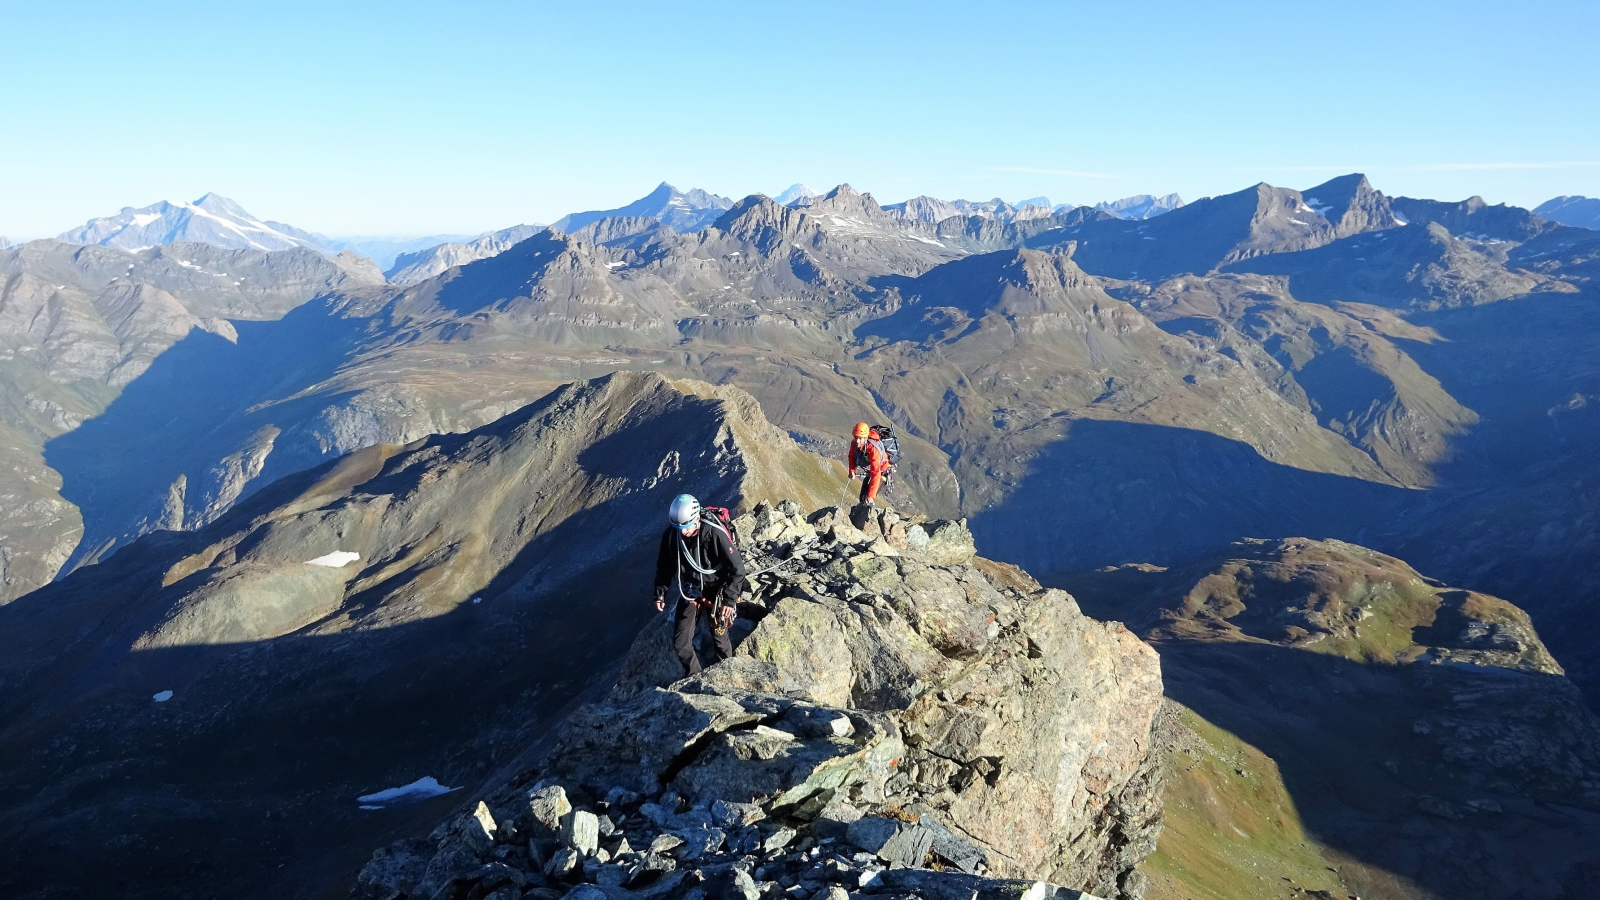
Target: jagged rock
(563, 863)
(778, 839)
(665, 843)
(700, 842)
(586, 892)
(1013, 729)
(737, 815)
(949, 544)
(638, 742)
(393, 871)
(580, 830)
(739, 886)
(547, 807)
(621, 797)
(478, 830)
(835, 819)
(896, 843)
(961, 853)
(652, 866)
(931, 885)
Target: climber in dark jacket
(696, 565)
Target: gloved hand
(726, 614)
(661, 599)
(852, 474)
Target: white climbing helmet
(685, 512)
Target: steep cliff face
(900, 717)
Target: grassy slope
(1233, 836)
(1230, 836)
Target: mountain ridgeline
(1149, 388)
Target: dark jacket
(709, 549)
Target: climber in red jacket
(868, 455)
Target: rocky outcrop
(901, 717)
(1337, 698)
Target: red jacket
(876, 462)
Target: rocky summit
(901, 718)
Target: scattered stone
(547, 807)
(585, 892)
(580, 830)
(902, 843)
(730, 816)
(834, 820)
(611, 875)
(563, 863)
(621, 797)
(699, 842)
(393, 870)
(778, 839)
(649, 868)
(665, 843)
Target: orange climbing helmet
(862, 429)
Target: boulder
(896, 843)
(949, 544)
(393, 870)
(547, 807)
(563, 863)
(580, 830)
(633, 744)
(736, 815)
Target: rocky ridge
(901, 718)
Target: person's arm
(734, 561)
(666, 559)
(850, 458)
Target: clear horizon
(409, 119)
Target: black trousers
(683, 623)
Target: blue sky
(404, 118)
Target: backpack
(719, 517)
(883, 436)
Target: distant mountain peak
(212, 219)
(1351, 205)
(1148, 206)
(797, 192)
(1575, 210)
(681, 211)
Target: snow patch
(421, 789)
(162, 697)
(338, 559)
(1298, 222)
(1400, 220)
